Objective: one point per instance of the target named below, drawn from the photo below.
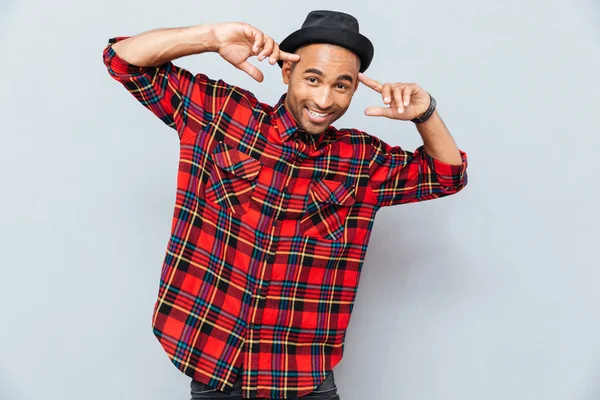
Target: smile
(315, 116)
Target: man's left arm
(438, 142)
(436, 169)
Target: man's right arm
(143, 65)
(165, 89)
(159, 46)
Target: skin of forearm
(158, 46)
(437, 140)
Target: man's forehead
(326, 55)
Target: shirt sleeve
(172, 93)
(400, 177)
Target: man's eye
(342, 86)
(312, 80)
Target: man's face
(320, 85)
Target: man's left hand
(405, 100)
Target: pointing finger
(372, 83)
(289, 56)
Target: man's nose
(323, 99)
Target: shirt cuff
(117, 66)
(449, 176)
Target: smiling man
(274, 205)
(320, 65)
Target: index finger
(372, 83)
(285, 56)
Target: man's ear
(286, 71)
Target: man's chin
(314, 129)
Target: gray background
(489, 294)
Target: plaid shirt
(269, 232)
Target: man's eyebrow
(314, 71)
(320, 73)
(345, 78)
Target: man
(274, 205)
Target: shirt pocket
(233, 178)
(329, 203)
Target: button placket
(269, 256)
(259, 292)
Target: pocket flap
(238, 163)
(327, 191)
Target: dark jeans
(327, 390)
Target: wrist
(428, 113)
(433, 120)
(204, 37)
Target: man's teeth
(316, 114)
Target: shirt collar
(288, 128)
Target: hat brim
(350, 40)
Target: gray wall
(489, 294)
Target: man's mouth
(315, 116)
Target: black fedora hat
(332, 27)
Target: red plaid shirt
(269, 232)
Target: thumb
(379, 112)
(251, 70)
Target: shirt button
(267, 257)
(259, 292)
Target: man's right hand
(238, 41)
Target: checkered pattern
(269, 231)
